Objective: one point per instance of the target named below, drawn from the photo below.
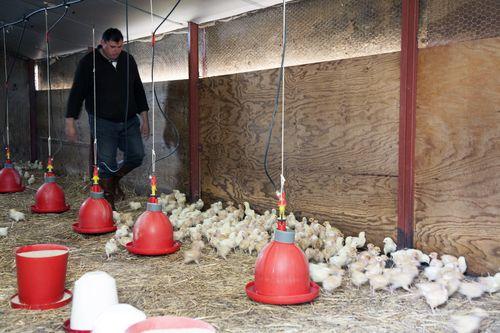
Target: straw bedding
(212, 291)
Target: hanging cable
(153, 153)
(6, 88)
(49, 102)
(276, 105)
(155, 95)
(94, 95)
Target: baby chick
(378, 281)
(15, 215)
(358, 278)
(491, 284)
(26, 174)
(471, 289)
(194, 254)
(468, 323)
(3, 231)
(111, 247)
(389, 245)
(318, 272)
(434, 293)
(128, 219)
(116, 217)
(134, 205)
(31, 180)
(332, 282)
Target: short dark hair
(112, 34)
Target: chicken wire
(318, 30)
(446, 21)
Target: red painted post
(33, 118)
(194, 114)
(407, 112)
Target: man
(117, 126)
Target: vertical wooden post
(407, 111)
(33, 117)
(194, 114)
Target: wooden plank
(341, 144)
(458, 152)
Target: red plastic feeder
(41, 276)
(282, 273)
(170, 322)
(68, 329)
(96, 214)
(50, 197)
(10, 180)
(153, 233)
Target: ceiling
(74, 32)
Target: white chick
(491, 284)
(432, 273)
(3, 231)
(389, 245)
(122, 231)
(359, 241)
(471, 290)
(462, 265)
(31, 180)
(468, 323)
(378, 282)
(358, 278)
(448, 259)
(134, 205)
(224, 247)
(15, 215)
(400, 278)
(111, 247)
(116, 217)
(434, 293)
(26, 174)
(318, 272)
(128, 219)
(332, 282)
(194, 254)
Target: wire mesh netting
(446, 21)
(318, 30)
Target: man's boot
(108, 186)
(124, 170)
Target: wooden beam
(194, 114)
(407, 112)
(33, 116)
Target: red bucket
(41, 276)
(170, 322)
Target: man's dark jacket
(111, 88)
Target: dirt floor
(212, 291)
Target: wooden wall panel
(457, 167)
(341, 145)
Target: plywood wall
(341, 141)
(458, 152)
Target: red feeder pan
(282, 273)
(50, 197)
(153, 233)
(41, 275)
(68, 329)
(169, 322)
(10, 180)
(96, 214)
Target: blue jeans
(112, 136)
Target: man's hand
(145, 125)
(70, 129)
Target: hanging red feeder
(10, 179)
(50, 197)
(282, 273)
(95, 215)
(153, 233)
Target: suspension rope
(49, 102)
(95, 100)
(6, 87)
(282, 177)
(153, 153)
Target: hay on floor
(212, 291)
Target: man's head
(112, 43)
